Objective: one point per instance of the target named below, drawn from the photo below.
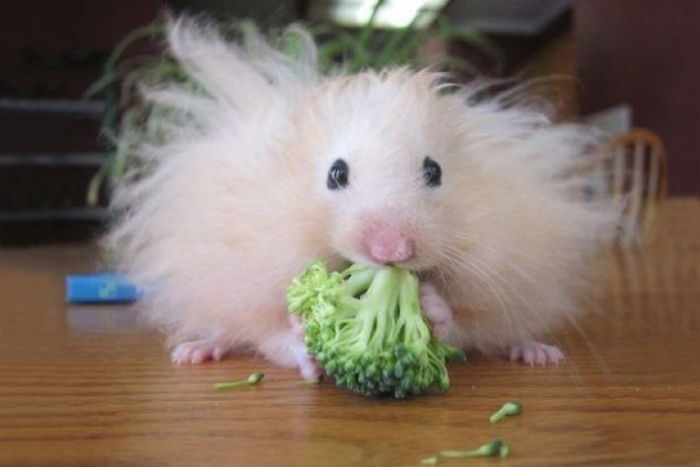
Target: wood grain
(89, 386)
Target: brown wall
(646, 53)
(54, 50)
(56, 29)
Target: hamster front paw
(289, 350)
(199, 351)
(535, 353)
(436, 309)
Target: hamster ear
(242, 74)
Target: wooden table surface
(87, 386)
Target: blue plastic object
(103, 287)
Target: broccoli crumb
(310, 382)
(504, 451)
(510, 408)
(252, 380)
(432, 460)
(495, 448)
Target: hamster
(277, 165)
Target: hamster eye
(432, 173)
(338, 175)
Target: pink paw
(436, 310)
(288, 349)
(297, 325)
(196, 352)
(535, 353)
(309, 369)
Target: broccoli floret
(364, 325)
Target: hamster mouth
(414, 264)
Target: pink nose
(387, 245)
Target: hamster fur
(219, 218)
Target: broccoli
(364, 325)
(495, 448)
(252, 380)
(510, 408)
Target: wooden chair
(636, 169)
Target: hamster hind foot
(535, 353)
(199, 351)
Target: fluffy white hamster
(277, 164)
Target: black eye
(432, 173)
(338, 175)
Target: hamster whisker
(600, 361)
(456, 265)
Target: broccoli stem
(381, 300)
(252, 380)
(495, 448)
(510, 408)
(311, 382)
(410, 316)
(504, 451)
(358, 279)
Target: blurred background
(622, 65)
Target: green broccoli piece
(495, 448)
(510, 408)
(364, 325)
(252, 380)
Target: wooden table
(86, 385)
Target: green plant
(364, 325)
(128, 119)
